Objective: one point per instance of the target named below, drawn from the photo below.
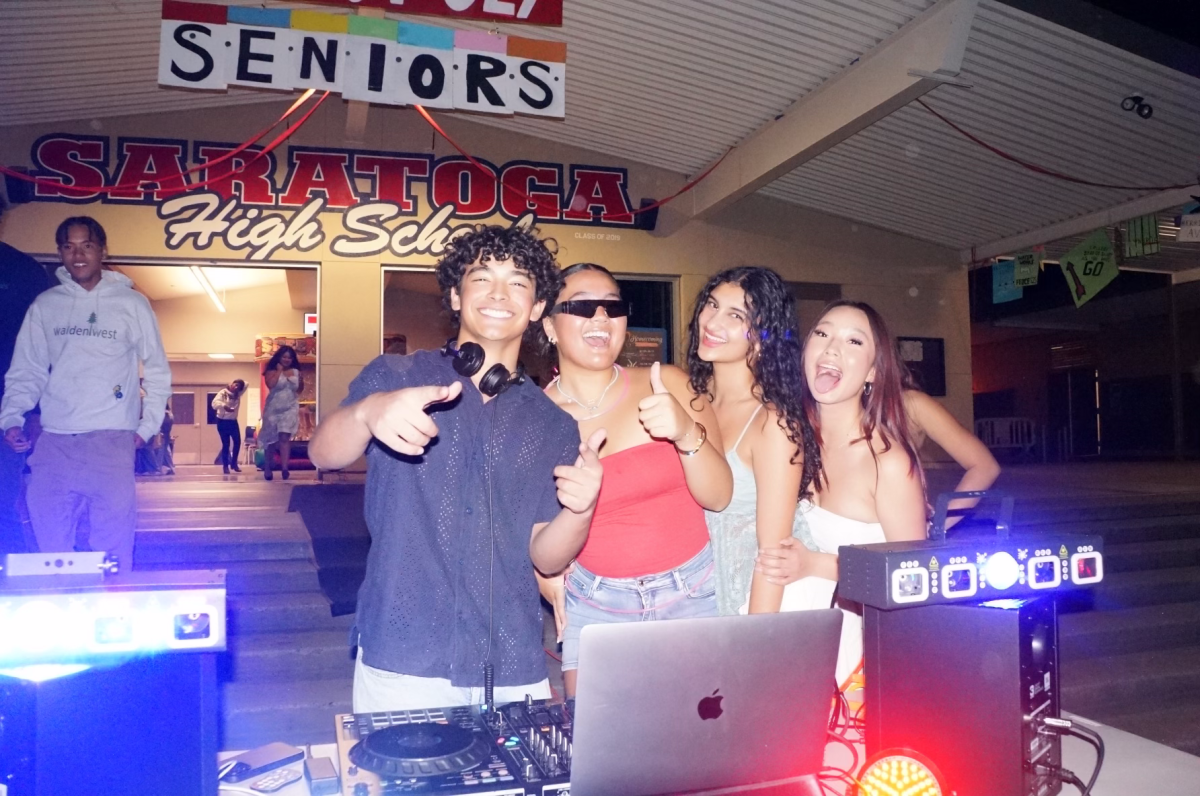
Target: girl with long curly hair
(744, 355)
(864, 483)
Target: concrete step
(1151, 627)
(1130, 682)
(1147, 587)
(1163, 721)
(261, 577)
(298, 712)
(282, 613)
(1152, 555)
(190, 548)
(284, 657)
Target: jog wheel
(419, 750)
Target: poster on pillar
(371, 59)
(1089, 267)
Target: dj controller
(519, 749)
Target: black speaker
(147, 727)
(965, 685)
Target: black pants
(230, 433)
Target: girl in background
(281, 415)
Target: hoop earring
(867, 389)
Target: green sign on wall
(1089, 267)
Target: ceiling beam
(922, 55)
(1143, 205)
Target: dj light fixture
(901, 772)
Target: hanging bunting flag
(1026, 266)
(1141, 236)
(1189, 223)
(1089, 267)
(373, 59)
(1003, 287)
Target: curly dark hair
(775, 362)
(883, 403)
(278, 355)
(531, 254)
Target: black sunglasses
(586, 308)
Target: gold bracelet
(699, 445)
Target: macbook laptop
(691, 705)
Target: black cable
(1092, 737)
(489, 672)
(1086, 734)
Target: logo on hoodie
(84, 331)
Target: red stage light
(900, 772)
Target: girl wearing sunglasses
(647, 555)
(744, 356)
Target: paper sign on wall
(1026, 266)
(1003, 287)
(1189, 229)
(1089, 267)
(207, 46)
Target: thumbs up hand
(398, 419)
(579, 484)
(660, 414)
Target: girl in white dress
(864, 484)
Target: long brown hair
(882, 403)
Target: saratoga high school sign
(380, 203)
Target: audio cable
(1061, 726)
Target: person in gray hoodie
(78, 353)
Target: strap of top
(745, 428)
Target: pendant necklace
(593, 408)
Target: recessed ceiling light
(220, 356)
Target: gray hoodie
(78, 353)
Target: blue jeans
(686, 592)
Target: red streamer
(286, 134)
(529, 200)
(1042, 169)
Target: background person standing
(226, 403)
(78, 353)
(22, 278)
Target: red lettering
(70, 158)
(598, 189)
(241, 175)
(522, 179)
(471, 190)
(319, 171)
(144, 162)
(393, 178)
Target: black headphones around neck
(469, 358)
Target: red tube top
(646, 520)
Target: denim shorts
(686, 592)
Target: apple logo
(710, 707)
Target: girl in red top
(647, 555)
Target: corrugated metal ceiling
(1041, 92)
(669, 84)
(675, 85)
